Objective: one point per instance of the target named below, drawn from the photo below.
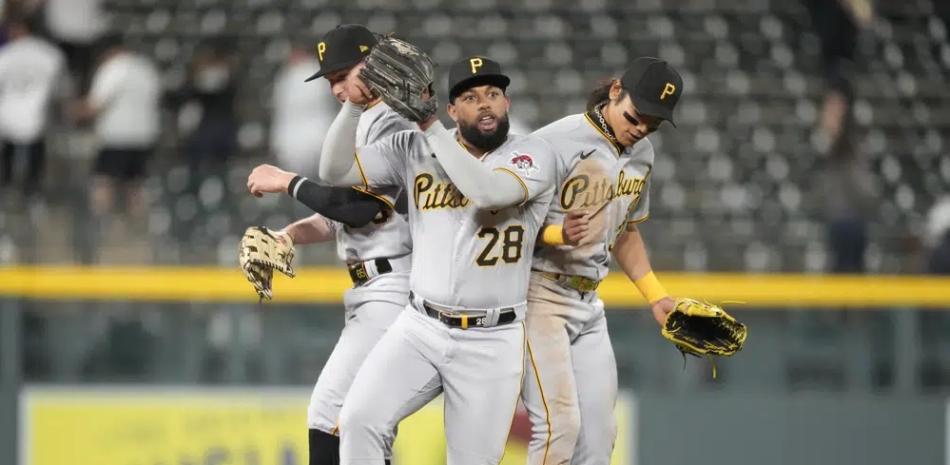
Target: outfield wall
(127, 425)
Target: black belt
(360, 275)
(505, 316)
(465, 321)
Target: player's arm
(486, 188)
(314, 228)
(338, 165)
(631, 254)
(346, 205)
(380, 164)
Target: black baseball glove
(703, 330)
(402, 75)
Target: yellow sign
(148, 426)
(193, 426)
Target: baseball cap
(475, 71)
(343, 47)
(654, 86)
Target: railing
(325, 285)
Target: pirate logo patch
(523, 163)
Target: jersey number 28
(511, 240)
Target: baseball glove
(400, 73)
(262, 252)
(703, 330)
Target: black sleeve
(344, 204)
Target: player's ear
(616, 90)
(451, 110)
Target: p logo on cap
(321, 49)
(668, 89)
(475, 70)
(363, 48)
(476, 63)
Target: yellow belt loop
(464, 321)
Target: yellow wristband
(650, 288)
(552, 234)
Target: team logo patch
(523, 163)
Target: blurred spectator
(3, 26)
(212, 89)
(938, 237)
(76, 25)
(124, 100)
(30, 70)
(942, 8)
(21, 10)
(837, 23)
(846, 191)
(846, 187)
(300, 109)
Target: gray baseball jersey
(373, 307)
(571, 386)
(387, 236)
(467, 257)
(595, 176)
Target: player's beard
(485, 141)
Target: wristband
(553, 234)
(294, 185)
(650, 288)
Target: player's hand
(268, 179)
(285, 236)
(423, 125)
(575, 228)
(356, 90)
(661, 308)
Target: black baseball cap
(654, 86)
(343, 47)
(475, 71)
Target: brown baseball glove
(262, 252)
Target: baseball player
(606, 160)
(479, 196)
(372, 238)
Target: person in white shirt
(76, 25)
(30, 69)
(124, 101)
(298, 108)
